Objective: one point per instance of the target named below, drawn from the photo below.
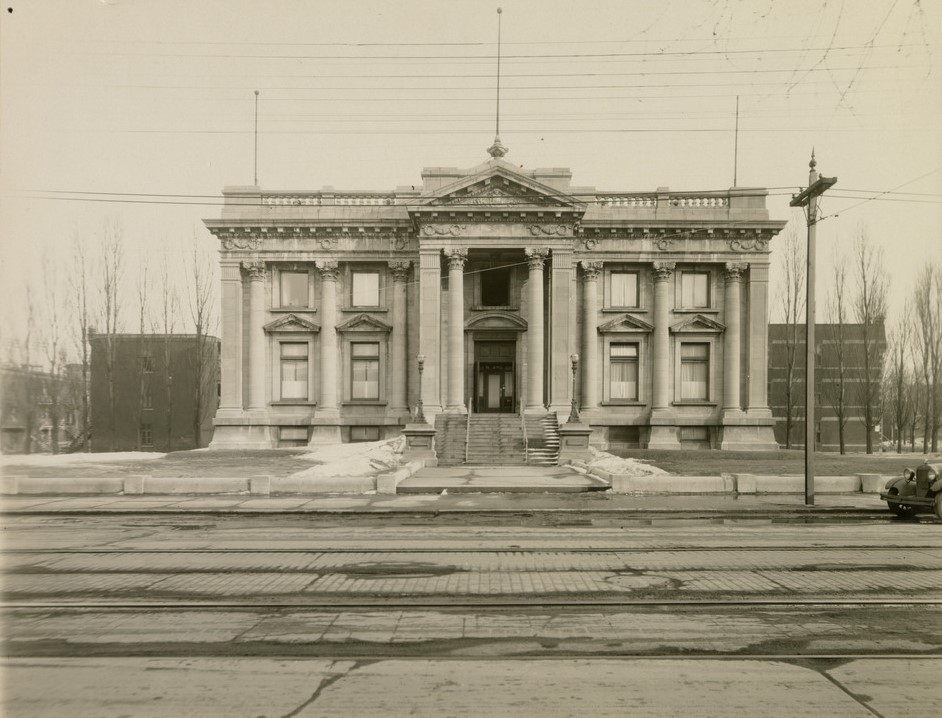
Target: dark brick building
(827, 379)
(158, 382)
(35, 406)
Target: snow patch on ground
(82, 458)
(617, 465)
(366, 458)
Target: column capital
(536, 256)
(457, 256)
(591, 269)
(663, 271)
(255, 270)
(400, 270)
(328, 269)
(734, 270)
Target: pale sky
(142, 110)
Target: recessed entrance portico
(494, 377)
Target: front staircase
(496, 440)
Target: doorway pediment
(496, 321)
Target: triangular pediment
(497, 186)
(291, 323)
(496, 320)
(364, 323)
(698, 323)
(625, 323)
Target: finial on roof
(813, 162)
(497, 150)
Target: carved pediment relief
(496, 320)
(364, 323)
(501, 187)
(698, 323)
(291, 323)
(625, 323)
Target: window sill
(365, 402)
(693, 402)
(623, 310)
(625, 402)
(364, 309)
(695, 310)
(495, 308)
(292, 310)
(293, 402)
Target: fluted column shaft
(397, 393)
(255, 334)
(535, 336)
(731, 340)
(231, 345)
(456, 261)
(662, 347)
(590, 342)
(327, 399)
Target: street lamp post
(574, 411)
(420, 414)
(809, 198)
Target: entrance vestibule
(495, 384)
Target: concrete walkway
(505, 479)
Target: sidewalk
(688, 505)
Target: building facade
(40, 412)
(160, 393)
(839, 383)
(499, 280)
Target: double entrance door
(495, 387)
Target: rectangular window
(495, 287)
(147, 435)
(294, 289)
(623, 367)
(695, 290)
(624, 289)
(147, 362)
(695, 372)
(147, 401)
(364, 358)
(294, 370)
(365, 291)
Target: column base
(663, 436)
(457, 409)
(751, 437)
(242, 435)
(324, 434)
(537, 409)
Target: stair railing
(526, 441)
(467, 431)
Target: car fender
(936, 485)
(898, 482)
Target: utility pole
(809, 198)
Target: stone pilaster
(731, 339)
(536, 257)
(327, 406)
(590, 339)
(398, 377)
(230, 401)
(255, 336)
(430, 327)
(663, 427)
(563, 340)
(456, 262)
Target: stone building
(497, 276)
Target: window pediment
(291, 323)
(364, 323)
(624, 324)
(698, 323)
(497, 320)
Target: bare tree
(898, 379)
(143, 362)
(201, 295)
(111, 271)
(925, 338)
(936, 354)
(793, 310)
(870, 312)
(835, 389)
(78, 279)
(165, 324)
(30, 388)
(50, 331)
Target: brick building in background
(32, 401)
(165, 389)
(827, 378)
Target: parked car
(918, 491)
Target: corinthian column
(397, 393)
(536, 258)
(662, 347)
(230, 402)
(327, 399)
(731, 341)
(590, 341)
(456, 260)
(255, 336)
